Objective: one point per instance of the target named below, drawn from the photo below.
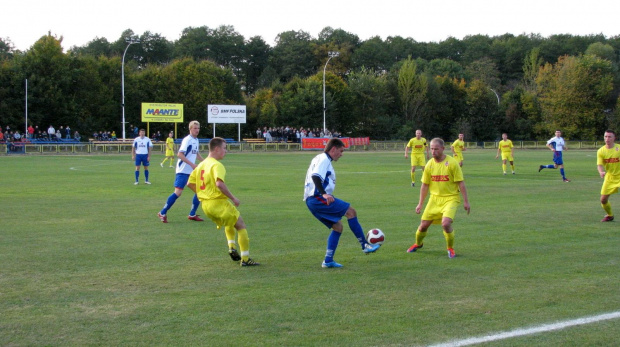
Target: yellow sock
(230, 236)
(419, 237)
(607, 208)
(504, 167)
(244, 244)
(413, 177)
(449, 239)
(513, 167)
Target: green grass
(85, 261)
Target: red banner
(321, 142)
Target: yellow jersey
(443, 177)
(205, 175)
(506, 146)
(609, 158)
(417, 146)
(169, 146)
(458, 146)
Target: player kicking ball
(443, 178)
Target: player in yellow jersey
(443, 178)
(419, 153)
(169, 149)
(608, 165)
(458, 147)
(218, 203)
(506, 148)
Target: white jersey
(189, 147)
(320, 166)
(142, 145)
(557, 143)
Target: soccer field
(85, 261)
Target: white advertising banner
(226, 114)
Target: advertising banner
(319, 143)
(226, 114)
(163, 113)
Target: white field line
(530, 331)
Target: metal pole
(331, 55)
(26, 132)
(129, 42)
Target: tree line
(526, 85)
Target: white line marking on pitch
(530, 331)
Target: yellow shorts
(610, 185)
(507, 156)
(418, 159)
(221, 212)
(458, 157)
(169, 153)
(440, 207)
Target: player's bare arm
(464, 194)
(222, 187)
(423, 194)
(601, 170)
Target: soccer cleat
(162, 217)
(147, 182)
(413, 184)
(607, 219)
(249, 262)
(504, 173)
(368, 248)
(234, 254)
(196, 218)
(513, 172)
(135, 183)
(540, 168)
(414, 248)
(161, 164)
(330, 264)
(565, 180)
(451, 253)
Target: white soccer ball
(375, 236)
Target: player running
(188, 153)
(608, 165)
(419, 153)
(506, 148)
(557, 145)
(443, 178)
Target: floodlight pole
(129, 41)
(330, 54)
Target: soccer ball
(375, 236)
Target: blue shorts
(180, 180)
(142, 159)
(327, 214)
(557, 158)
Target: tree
(482, 111)
(574, 93)
(370, 114)
(373, 54)
(256, 54)
(412, 89)
(293, 55)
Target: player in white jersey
(141, 155)
(329, 210)
(557, 145)
(188, 153)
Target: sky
(81, 21)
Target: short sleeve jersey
(205, 175)
(557, 143)
(443, 177)
(189, 147)
(169, 143)
(458, 146)
(417, 146)
(505, 146)
(320, 166)
(609, 158)
(142, 145)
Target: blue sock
(146, 175)
(332, 244)
(357, 230)
(137, 174)
(550, 166)
(562, 172)
(195, 204)
(171, 199)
